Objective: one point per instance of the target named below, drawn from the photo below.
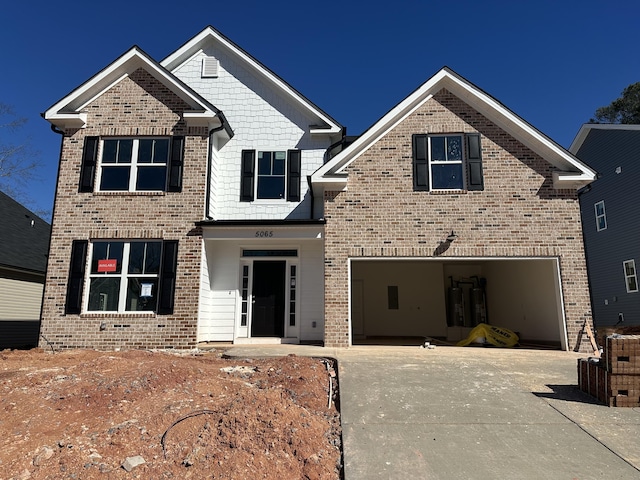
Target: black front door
(268, 299)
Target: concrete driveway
(473, 413)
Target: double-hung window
(270, 175)
(447, 162)
(140, 164)
(601, 216)
(630, 276)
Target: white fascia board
(68, 120)
(518, 128)
(571, 180)
(207, 119)
(187, 51)
(477, 99)
(331, 183)
(73, 103)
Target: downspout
(54, 129)
(312, 197)
(223, 126)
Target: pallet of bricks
(614, 379)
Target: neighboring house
(451, 210)
(24, 241)
(183, 212)
(610, 222)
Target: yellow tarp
(498, 336)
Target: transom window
(134, 164)
(124, 276)
(630, 276)
(271, 175)
(601, 216)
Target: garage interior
(406, 301)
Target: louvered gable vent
(209, 67)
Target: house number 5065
(264, 233)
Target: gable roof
(68, 112)
(24, 237)
(588, 128)
(210, 34)
(572, 173)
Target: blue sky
(551, 62)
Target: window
(123, 276)
(132, 164)
(270, 175)
(292, 294)
(447, 162)
(630, 276)
(601, 216)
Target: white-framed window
(444, 162)
(270, 175)
(123, 276)
(134, 164)
(601, 216)
(630, 276)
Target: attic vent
(209, 67)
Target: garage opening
(405, 301)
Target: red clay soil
(81, 414)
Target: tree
(19, 164)
(625, 109)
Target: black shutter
(420, 162)
(167, 281)
(247, 169)
(475, 178)
(174, 183)
(293, 175)
(88, 168)
(76, 277)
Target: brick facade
(518, 214)
(138, 105)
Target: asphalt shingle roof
(24, 237)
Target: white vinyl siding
(263, 118)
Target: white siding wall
(219, 293)
(220, 296)
(312, 291)
(261, 118)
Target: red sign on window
(107, 265)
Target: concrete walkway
(472, 413)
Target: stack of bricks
(614, 379)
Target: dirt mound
(139, 414)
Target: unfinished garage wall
(421, 299)
(522, 296)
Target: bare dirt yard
(85, 414)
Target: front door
(267, 318)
